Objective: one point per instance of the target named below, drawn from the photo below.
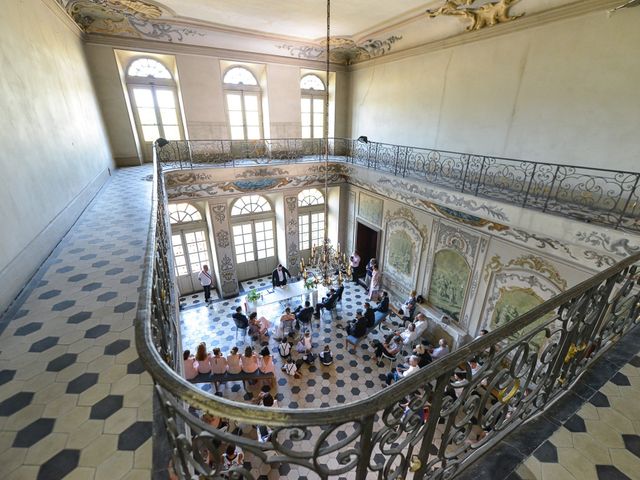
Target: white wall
(54, 152)
(566, 92)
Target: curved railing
(525, 366)
(607, 197)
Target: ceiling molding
(564, 12)
(155, 46)
(62, 14)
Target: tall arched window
(242, 94)
(153, 94)
(254, 239)
(312, 90)
(310, 219)
(190, 246)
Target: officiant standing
(279, 276)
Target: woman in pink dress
(249, 361)
(233, 361)
(190, 365)
(202, 356)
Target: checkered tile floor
(75, 401)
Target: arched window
(310, 219)
(153, 94)
(242, 94)
(310, 196)
(183, 213)
(250, 204)
(312, 91)
(148, 67)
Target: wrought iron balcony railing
(606, 197)
(430, 425)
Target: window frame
(243, 90)
(313, 94)
(308, 211)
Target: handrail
(527, 364)
(591, 194)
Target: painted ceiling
(360, 29)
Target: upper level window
(242, 94)
(148, 67)
(154, 97)
(250, 204)
(312, 100)
(183, 213)
(309, 197)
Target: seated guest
(424, 358)
(305, 343)
(421, 324)
(286, 321)
(253, 325)
(265, 391)
(284, 348)
(265, 361)
(369, 314)
(240, 319)
(233, 457)
(482, 333)
(308, 357)
(202, 356)
(218, 362)
(326, 357)
(358, 327)
(291, 368)
(249, 361)
(441, 351)
(303, 314)
(409, 334)
(330, 299)
(234, 361)
(279, 276)
(401, 372)
(190, 365)
(383, 304)
(390, 347)
(408, 310)
(263, 326)
(263, 431)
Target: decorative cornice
(529, 262)
(563, 12)
(58, 9)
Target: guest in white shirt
(421, 323)
(441, 351)
(399, 373)
(409, 335)
(279, 276)
(206, 280)
(190, 365)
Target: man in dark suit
(303, 314)
(240, 319)
(330, 299)
(279, 276)
(358, 327)
(369, 315)
(383, 304)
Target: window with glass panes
(264, 239)
(310, 218)
(312, 106)
(153, 95)
(242, 94)
(243, 243)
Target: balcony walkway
(75, 403)
(74, 399)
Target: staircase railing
(430, 425)
(607, 197)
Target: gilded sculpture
(485, 15)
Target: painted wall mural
(449, 279)
(343, 49)
(370, 209)
(401, 253)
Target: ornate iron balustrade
(526, 365)
(606, 197)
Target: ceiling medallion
(481, 16)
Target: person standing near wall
(206, 280)
(355, 266)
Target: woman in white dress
(375, 286)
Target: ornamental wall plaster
(479, 15)
(530, 262)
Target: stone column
(291, 233)
(224, 250)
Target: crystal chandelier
(326, 263)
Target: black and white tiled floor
(75, 401)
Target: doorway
(254, 245)
(366, 244)
(190, 253)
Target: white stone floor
(75, 401)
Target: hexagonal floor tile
(27, 329)
(134, 436)
(124, 307)
(82, 383)
(58, 307)
(105, 297)
(116, 347)
(15, 403)
(60, 363)
(97, 331)
(106, 407)
(49, 294)
(90, 287)
(60, 465)
(6, 376)
(79, 317)
(77, 277)
(135, 367)
(33, 433)
(44, 344)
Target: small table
(281, 294)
